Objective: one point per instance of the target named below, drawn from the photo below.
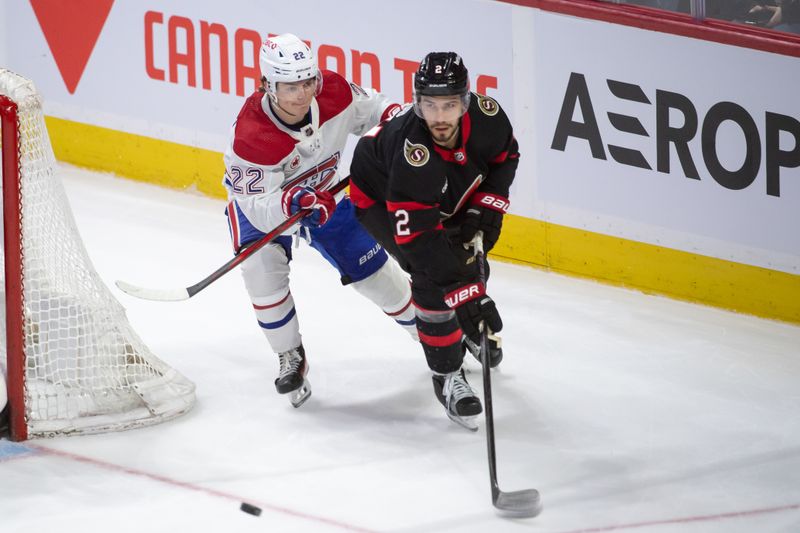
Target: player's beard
(444, 137)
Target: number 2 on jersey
(402, 222)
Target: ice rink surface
(628, 412)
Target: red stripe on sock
(439, 342)
(270, 306)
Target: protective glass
(441, 108)
(293, 90)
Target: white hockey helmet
(285, 58)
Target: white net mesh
(86, 370)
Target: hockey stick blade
(157, 295)
(177, 295)
(519, 504)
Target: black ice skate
(460, 402)
(292, 378)
(493, 343)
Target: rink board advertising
(649, 159)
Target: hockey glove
(485, 213)
(473, 306)
(321, 203)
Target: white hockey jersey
(264, 157)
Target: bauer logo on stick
(416, 154)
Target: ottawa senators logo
(416, 154)
(488, 105)
(295, 162)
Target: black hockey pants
(437, 324)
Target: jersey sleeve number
(247, 182)
(402, 222)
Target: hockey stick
(521, 503)
(177, 295)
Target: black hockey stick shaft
(487, 378)
(244, 253)
(522, 503)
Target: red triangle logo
(71, 28)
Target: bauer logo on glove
(464, 294)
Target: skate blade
(299, 396)
(468, 422)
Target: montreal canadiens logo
(416, 154)
(488, 105)
(295, 162)
(318, 176)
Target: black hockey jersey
(426, 187)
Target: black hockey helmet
(441, 74)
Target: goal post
(74, 363)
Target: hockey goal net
(74, 363)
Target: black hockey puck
(250, 509)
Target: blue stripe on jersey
(247, 232)
(279, 323)
(407, 322)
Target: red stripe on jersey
(409, 206)
(405, 239)
(502, 156)
(445, 340)
(359, 199)
(457, 156)
(270, 306)
(466, 196)
(335, 97)
(466, 128)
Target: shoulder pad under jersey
(336, 95)
(257, 139)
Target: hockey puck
(250, 509)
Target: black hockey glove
(473, 306)
(485, 213)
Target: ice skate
(493, 343)
(461, 403)
(292, 378)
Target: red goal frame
(9, 122)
